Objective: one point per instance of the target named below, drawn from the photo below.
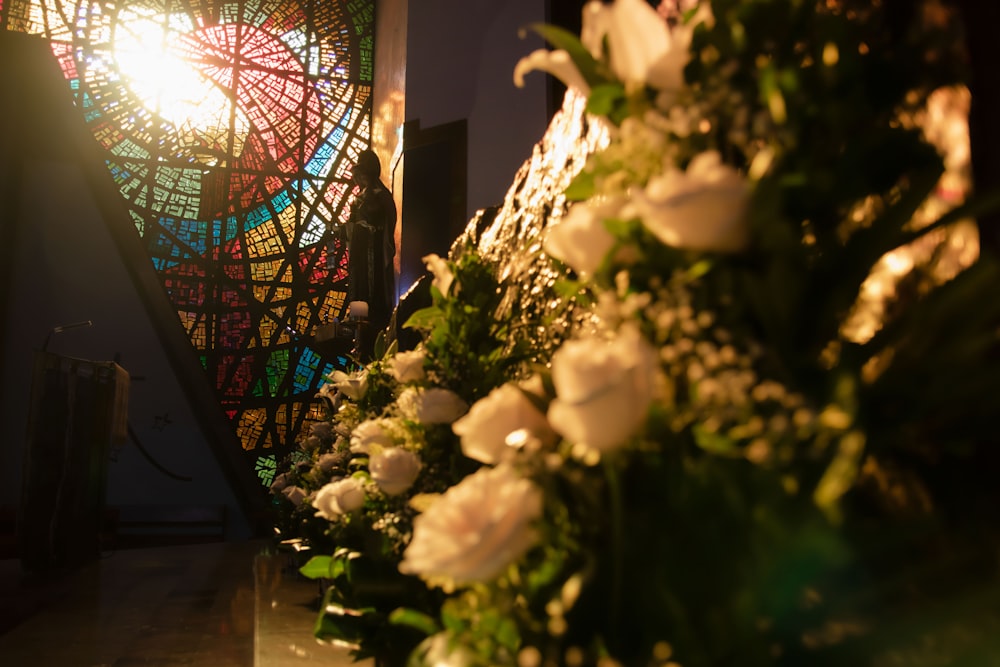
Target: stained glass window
(228, 127)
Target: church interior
(171, 482)
(173, 303)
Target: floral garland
(710, 466)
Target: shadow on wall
(66, 271)
(434, 194)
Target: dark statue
(371, 245)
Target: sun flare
(156, 57)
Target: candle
(358, 310)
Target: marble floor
(224, 604)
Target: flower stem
(617, 547)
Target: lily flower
(642, 48)
(558, 63)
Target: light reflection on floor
(229, 604)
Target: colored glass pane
(228, 127)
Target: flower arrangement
(725, 427)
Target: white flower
(439, 651)
(431, 406)
(604, 388)
(443, 277)
(369, 433)
(408, 366)
(328, 393)
(353, 386)
(580, 239)
(328, 461)
(311, 442)
(340, 497)
(485, 430)
(294, 494)
(641, 48)
(557, 63)
(476, 528)
(323, 430)
(704, 208)
(533, 384)
(394, 469)
(281, 481)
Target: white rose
(485, 430)
(603, 389)
(328, 393)
(311, 442)
(340, 497)
(476, 528)
(353, 386)
(408, 366)
(294, 494)
(280, 482)
(431, 406)
(580, 239)
(439, 651)
(558, 63)
(533, 384)
(443, 277)
(642, 49)
(704, 208)
(327, 462)
(394, 469)
(369, 433)
(323, 430)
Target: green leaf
(560, 38)
(567, 289)
(840, 475)
(581, 187)
(380, 347)
(318, 567)
(332, 608)
(715, 443)
(425, 319)
(699, 269)
(507, 635)
(620, 228)
(770, 94)
(390, 350)
(940, 347)
(973, 208)
(451, 616)
(845, 271)
(328, 567)
(604, 99)
(414, 619)
(340, 630)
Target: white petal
(638, 38)
(556, 63)
(597, 19)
